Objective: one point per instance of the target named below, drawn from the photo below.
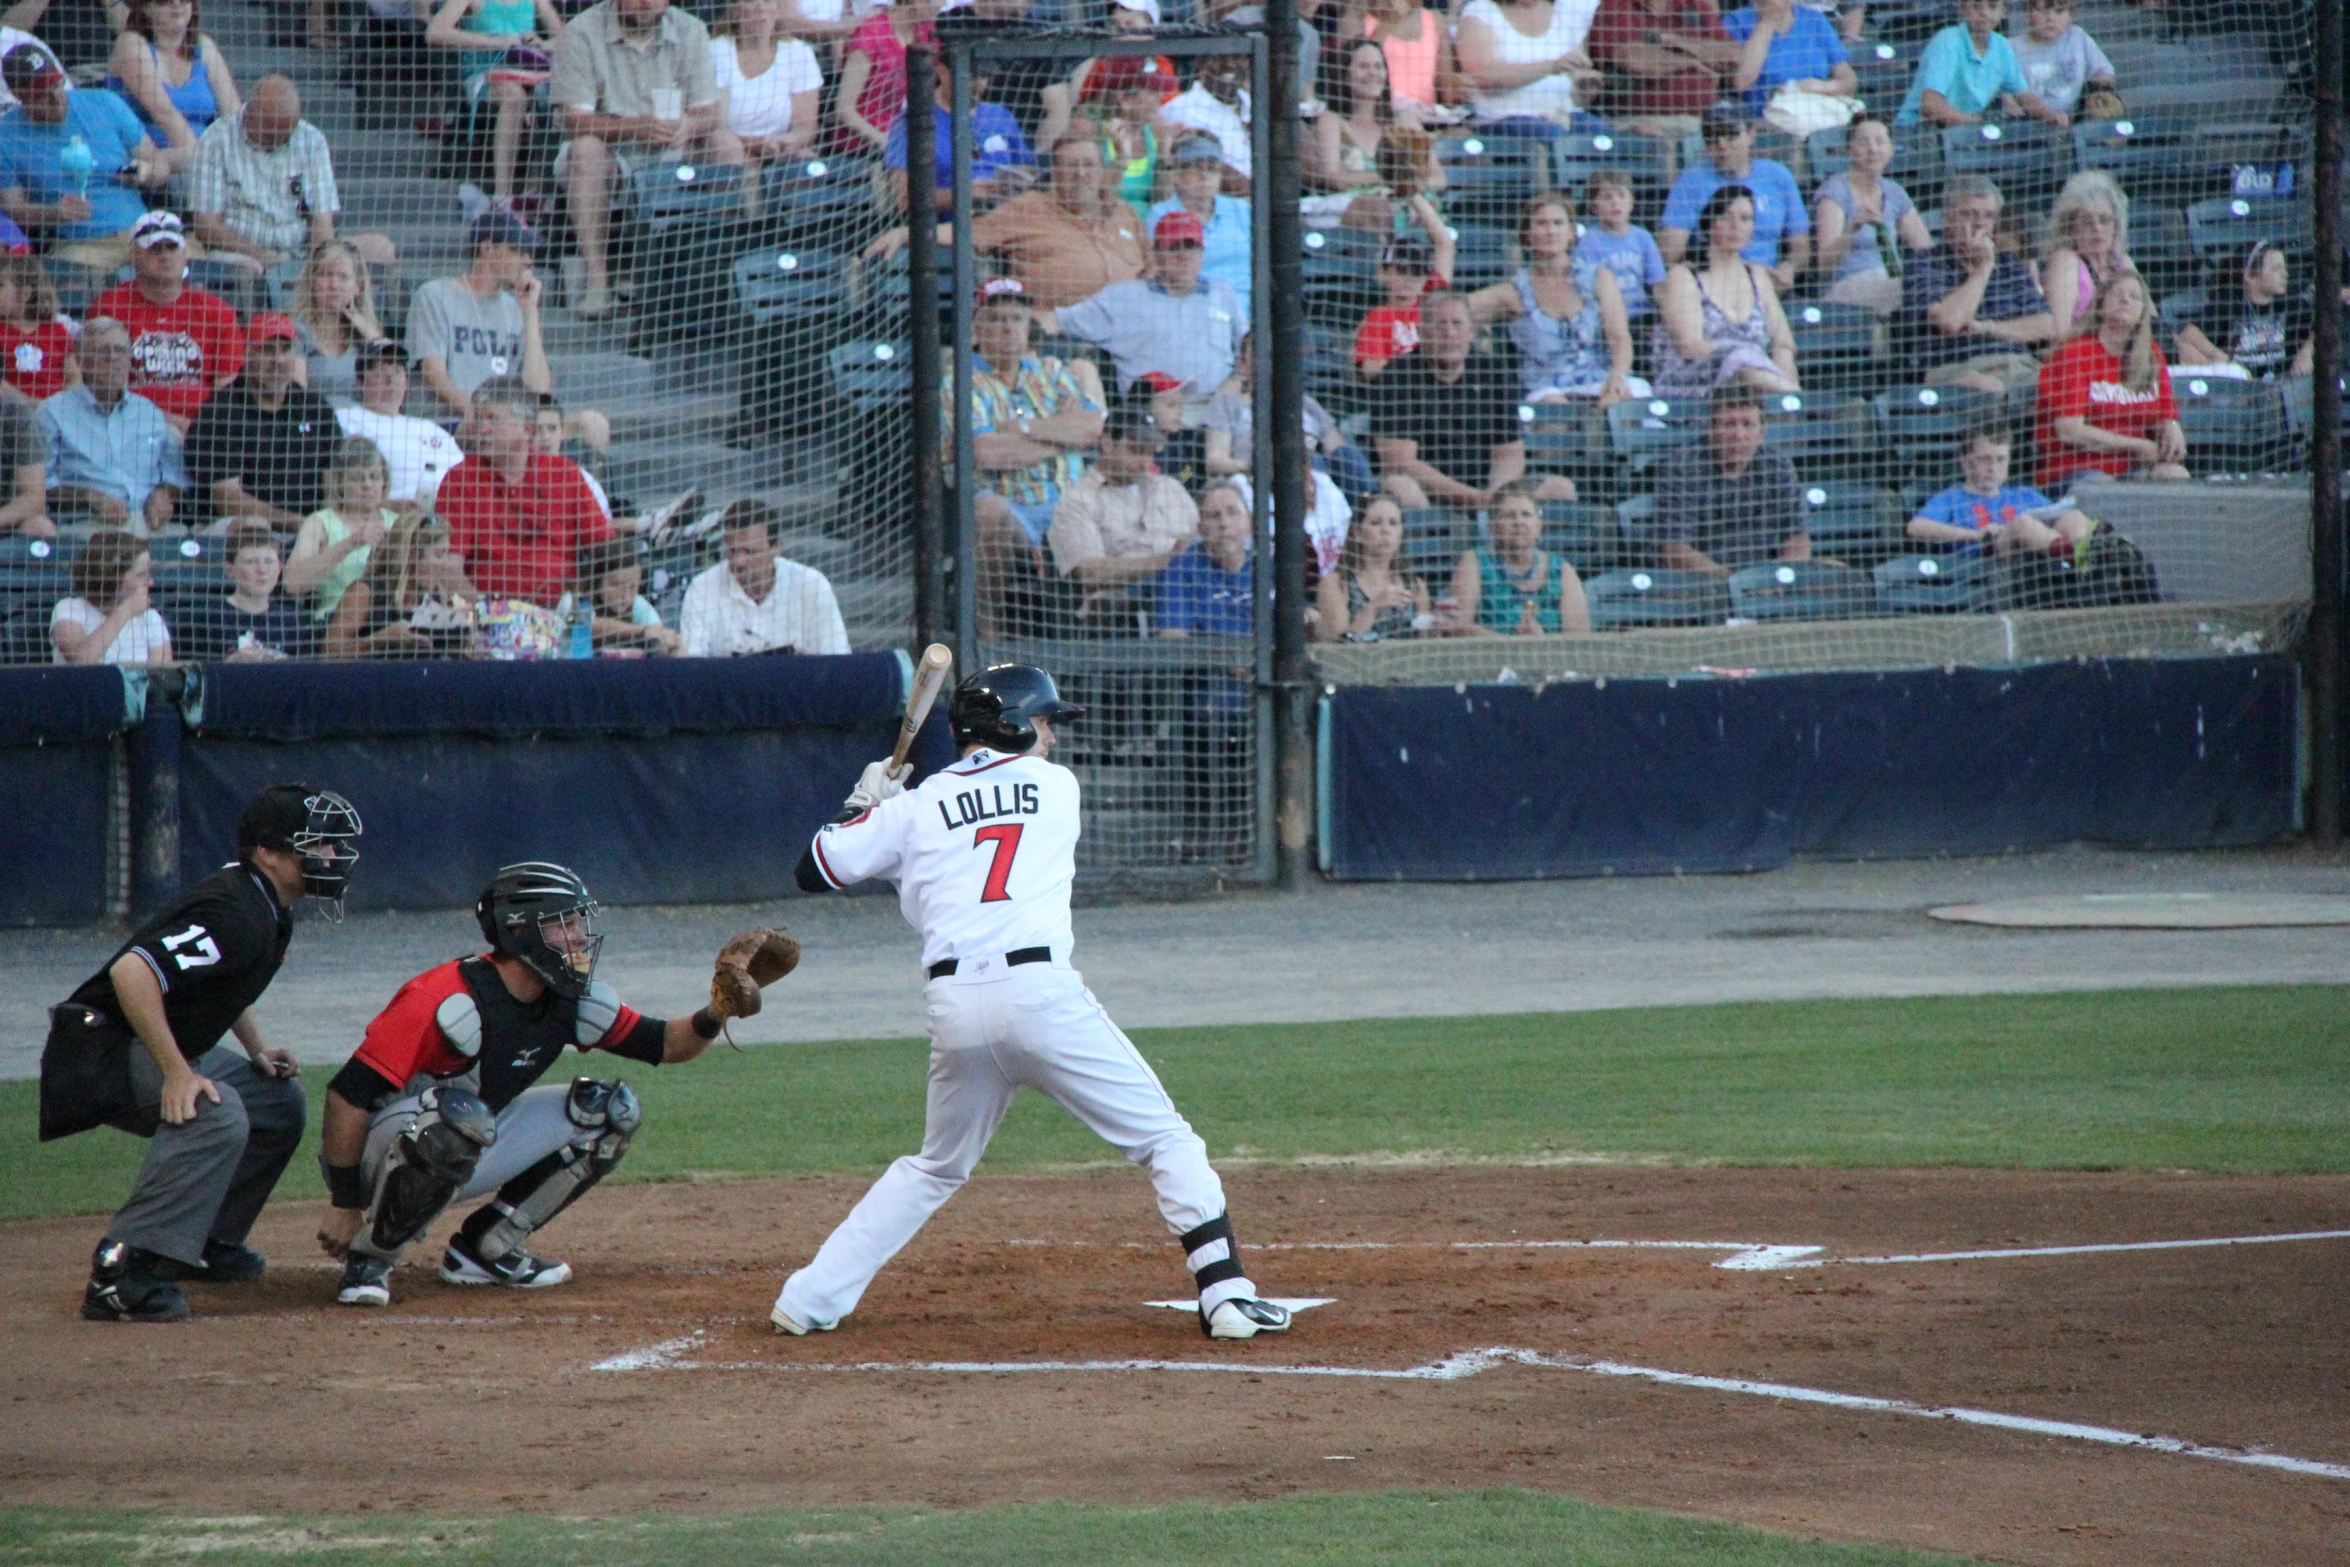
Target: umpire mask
(542, 916)
(318, 826)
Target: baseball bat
(930, 676)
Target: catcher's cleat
(131, 1284)
(1243, 1317)
(227, 1263)
(367, 1281)
(785, 1322)
(517, 1270)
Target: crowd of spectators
(371, 490)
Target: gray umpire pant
(206, 1178)
(533, 1126)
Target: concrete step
(594, 380)
(663, 468)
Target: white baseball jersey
(983, 853)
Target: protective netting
(678, 263)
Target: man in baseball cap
(86, 211)
(1782, 227)
(1173, 320)
(185, 343)
(263, 444)
(1226, 243)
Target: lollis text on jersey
(986, 805)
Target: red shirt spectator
(184, 342)
(517, 516)
(2085, 380)
(34, 362)
(1409, 267)
(882, 96)
(1623, 25)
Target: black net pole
(1277, 187)
(922, 308)
(2325, 444)
(966, 468)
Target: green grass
(1394, 1529)
(2254, 1079)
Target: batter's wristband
(704, 1025)
(344, 1188)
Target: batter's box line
(671, 1355)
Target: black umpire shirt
(214, 951)
(280, 457)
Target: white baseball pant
(1034, 1026)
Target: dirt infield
(465, 1401)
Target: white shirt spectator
(1203, 110)
(720, 620)
(418, 452)
(1547, 98)
(139, 642)
(761, 105)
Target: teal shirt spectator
(1501, 603)
(1809, 51)
(29, 153)
(1228, 254)
(1970, 81)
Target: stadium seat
(873, 377)
(1920, 427)
(1656, 598)
(1339, 272)
(1642, 429)
(829, 196)
(1854, 522)
(2255, 159)
(2232, 425)
(1801, 590)
(1569, 438)
(1883, 69)
(1488, 178)
(1646, 161)
(1961, 583)
(672, 195)
(187, 565)
(1588, 535)
(34, 575)
(1481, 255)
(787, 284)
(1836, 346)
(2301, 413)
(1330, 369)
(2030, 161)
(2147, 155)
(24, 633)
(1824, 435)
(1433, 540)
(2225, 227)
(888, 287)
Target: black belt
(945, 966)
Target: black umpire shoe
(132, 1284)
(228, 1263)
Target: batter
(984, 853)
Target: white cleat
(785, 1322)
(1244, 1317)
(517, 1270)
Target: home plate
(2156, 910)
(1289, 1303)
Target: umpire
(221, 1125)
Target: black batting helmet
(997, 707)
(525, 904)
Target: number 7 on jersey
(1006, 839)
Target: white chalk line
(671, 1355)
(2069, 1251)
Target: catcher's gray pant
(533, 1126)
(206, 1178)
(1035, 1026)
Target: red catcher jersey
(983, 853)
(179, 351)
(405, 1039)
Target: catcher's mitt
(750, 960)
(2102, 103)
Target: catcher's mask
(997, 707)
(317, 826)
(541, 916)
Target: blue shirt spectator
(33, 146)
(1228, 256)
(1197, 596)
(1807, 50)
(1778, 202)
(1960, 507)
(996, 145)
(1969, 73)
(1633, 257)
(109, 451)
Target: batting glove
(875, 785)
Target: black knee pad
(430, 1165)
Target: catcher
(437, 1106)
